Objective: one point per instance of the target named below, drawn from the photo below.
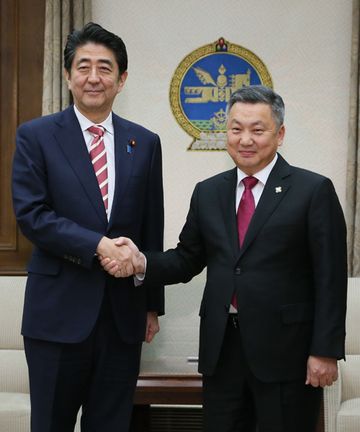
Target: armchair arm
(332, 402)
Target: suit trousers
(98, 374)
(236, 401)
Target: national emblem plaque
(201, 87)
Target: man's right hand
(131, 261)
(122, 256)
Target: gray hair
(260, 94)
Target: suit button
(237, 270)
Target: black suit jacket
(59, 207)
(290, 276)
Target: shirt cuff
(139, 277)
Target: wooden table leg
(321, 425)
(140, 421)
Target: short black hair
(260, 94)
(94, 33)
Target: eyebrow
(86, 59)
(256, 123)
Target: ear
(281, 135)
(122, 80)
(67, 78)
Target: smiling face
(94, 80)
(252, 136)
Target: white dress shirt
(257, 190)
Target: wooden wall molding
(21, 66)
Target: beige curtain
(61, 17)
(353, 166)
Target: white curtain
(353, 163)
(61, 17)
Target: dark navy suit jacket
(290, 275)
(58, 207)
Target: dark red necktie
(246, 208)
(244, 214)
(99, 160)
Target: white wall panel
(306, 47)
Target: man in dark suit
(83, 329)
(273, 309)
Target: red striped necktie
(99, 160)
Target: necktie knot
(97, 130)
(249, 182)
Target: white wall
(305, 46)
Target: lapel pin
(278, 189)
(131, 144)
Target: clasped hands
(120, 257)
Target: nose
(246, 138)
(93, 75)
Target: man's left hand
(321, 371)
(152, 326)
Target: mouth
(247, 153)
(93, 92)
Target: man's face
(94, 80)
(252, 136)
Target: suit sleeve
(35, 215)
(152, 233)
(187, 259)
(327, 240)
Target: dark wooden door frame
(21, 79)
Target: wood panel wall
(21, 65)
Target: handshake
(120, 257)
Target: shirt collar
(85, 123)
(261, 175)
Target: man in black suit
(273, 309)
(83, 329)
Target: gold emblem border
(196, 55)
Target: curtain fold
(353, 162)
(61, 17)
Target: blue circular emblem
(202, 85)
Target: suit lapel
(123, 162)
(71, 140)
(275, 189)
(227, 193)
